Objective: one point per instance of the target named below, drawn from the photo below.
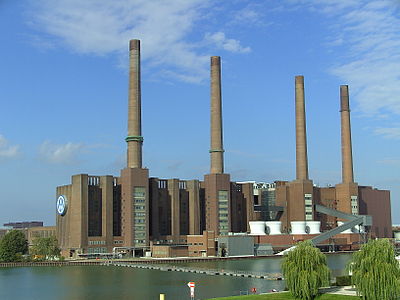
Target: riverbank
(150, 260)
(286, 296)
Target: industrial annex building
(170, 217)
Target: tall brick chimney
(216, 151)
(301, 137)
(134, 138)
(347, 157)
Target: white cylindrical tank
(273, 227)
(298, 227)
(314, 227)
(358, 229)
(339, 223)
(257, 227)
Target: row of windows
(139, 214)
(139, 192)
(97, 250)
(308, 207)
(97, 242)
(139, 221)
(222, 195)
(354, 205)
(118, 242)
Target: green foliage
(45, 247)
(376, 272)
(286, 296)
(343, 280)
(12, 246)
(305, 270)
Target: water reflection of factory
(134, 212)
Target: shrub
(343, 280)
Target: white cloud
(222, 42)
(105, 27)
(60, 153)
(368, 32)
(253, 14)
(389, 133)
(7, 150)
(389, 161)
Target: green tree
(45, 247)
(375, 271)
(305, 270)
(12, 246)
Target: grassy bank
(286, 296)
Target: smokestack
(216, 151)
(301, 138)
(134, 138)
(347, 157)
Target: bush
(305, 270)
(45, 247)
(343, 280)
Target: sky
(64, 84)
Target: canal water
(109, 282)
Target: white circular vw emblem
(62, 205)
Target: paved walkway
(341, 290)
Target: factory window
(96, 250)
(139, 214)
(222, 195)
(354, 205)
(308, 207)
(223, 198)
(139, 192)
(95, 219)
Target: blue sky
(63, 90)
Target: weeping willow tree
(376, 272)
(305, 270)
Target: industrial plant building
(138, 214)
